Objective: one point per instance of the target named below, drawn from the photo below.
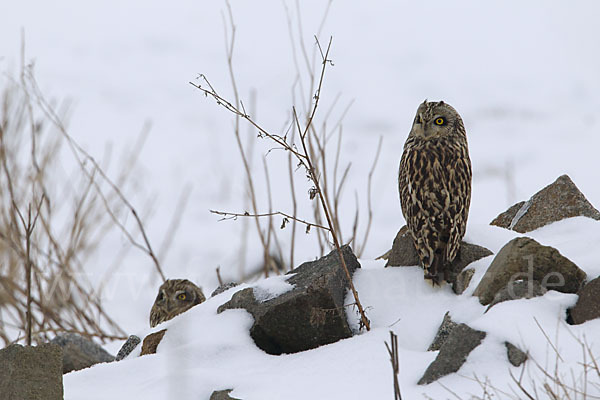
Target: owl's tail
(436, 272)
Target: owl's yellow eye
(440, 121)
(181, 296)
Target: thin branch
(364, 320)
(394, 360)
(82, 157)
(232, 215)
(361, 248)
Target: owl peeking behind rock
(174, 297)
(435, 186)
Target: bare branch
(231, 215)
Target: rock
(559, 200)
(223, 288)
(462, 280)
(515, 356)
(132, 342)
(453, 353)
(403, 253)
(308, 316)
(518, 290)
(151, 342)
(79, 352)
(222, 394)
(443, 332)
(32, 373)
(525, 259)
(588, 304)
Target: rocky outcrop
(587, 307)
(515, 355)
(518, 290)
(32, 373)
(525, 259)
(443, 332)
(79, 352)
(222, 288)
(463, 279)
(310, 315)
(403, 253)
(132, 342)
(559, 200)
(222, 395)
(453, 353)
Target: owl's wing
(459, 189)
(435, 196)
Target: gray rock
(403, 253)
(224, 287)
(308, 316)
(518, 290)
(31, 373)
(80, 352)
(463, 279)
(525, 259)
(588, 305)
(222, 395)
(559, 200)
(515, 356)
(453, 353)
(443, 332)
(132, 342)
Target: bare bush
(52, 221)
(303, 144)
(324, 143)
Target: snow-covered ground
(524, 76)
(205, 351)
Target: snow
(523, 75)
(272, 287)
(204, 351)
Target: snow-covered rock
(559, 200)
(301, 310)
(524, 258)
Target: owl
(174, 297)
(434, 182)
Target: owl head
(174, 297)
(436, 120)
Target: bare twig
(361, 248)
(294, 211)
(28, 227)
(232, 215)
(218, 270)
(392, 349)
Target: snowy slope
(203, 351)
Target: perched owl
(435, 186)
(174, 297)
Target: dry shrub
(53, 216)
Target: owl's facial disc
(430, 121)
